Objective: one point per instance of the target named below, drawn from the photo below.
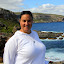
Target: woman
(24, 47)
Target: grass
(9, 24)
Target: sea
(54, 48)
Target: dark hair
(26, 12)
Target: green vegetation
(44, 18)
(8, 25)
(17, 13)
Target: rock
(60, 38)
(6, 14)
(52, 38)
(49, 35)
(15, 28)
(2, 25)
(40, 17)
(43, 37)
(2, 44)
(1, 59)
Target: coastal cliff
(45, 18)
(8, 20)
(9, 24)
(7, 14)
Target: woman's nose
(26, 22)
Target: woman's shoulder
(15, 37)
(34, 32)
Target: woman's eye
(28, 20)
(24, 20)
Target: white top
(24, 48)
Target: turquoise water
(54, 48)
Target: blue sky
(35, 6)
(36, 3)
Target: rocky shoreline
(50, 62)
(50, 35)
(42, 35)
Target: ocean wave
(53, 31)
(51, 40)
(53, 55)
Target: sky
(35, 6)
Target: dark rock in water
(43, 37)
(60, 38)
(51, 35)
(52, 38)
(63, 36)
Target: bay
(54, 48)
(54, 26)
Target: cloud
(17, 5)
(49, 8)
(13, 5)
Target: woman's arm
(46, 62)
(10, 51)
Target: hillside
(9, 24)
(40, 17)
(8, 21)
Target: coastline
(46, 35)
(60, 62)
(50, 35)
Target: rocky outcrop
(43, 18)
(7, 20)
(50, 35)
(42, 35)
(40, 17)
(15, 28)
(3, 39)
(2, 44)
(2, 25)
(6, 14)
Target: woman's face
(26, 23)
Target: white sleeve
(46, 62)
(10, 51)
(36, 36)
